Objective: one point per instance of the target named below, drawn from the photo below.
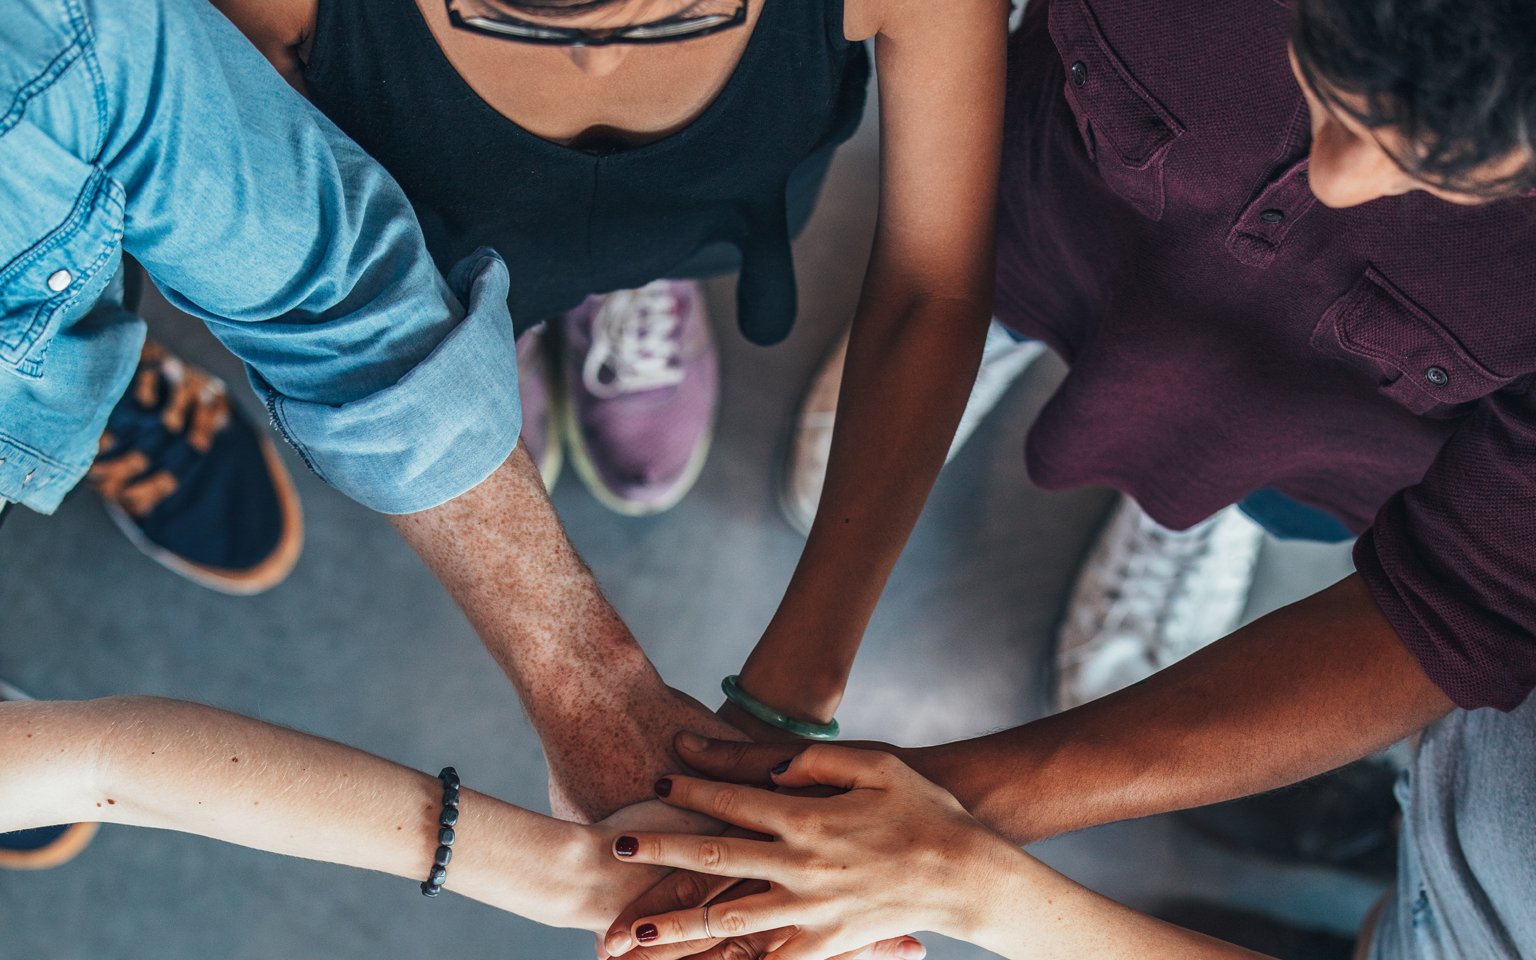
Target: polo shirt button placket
(1264, 224)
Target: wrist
(812, 695)
(983, 888)
(534, 866)
(1009, 786)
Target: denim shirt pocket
(1417, 361)
(59, 238)
(1126, 132)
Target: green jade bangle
(774, 718)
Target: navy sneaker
(193, 484)
(45, 846)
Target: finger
(897, 948)
(677, 890)
(842, 767)
(733, 760)
(717, 856)
(749, 807)
(804, 946)
(766, 911)
(706, 948)
(753, 946)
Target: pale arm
(195, 769)
(916, 339)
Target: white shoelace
(1154, 557)
(634, 342)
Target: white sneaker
(1148, 597)
(1003, 359)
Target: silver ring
(707, 934)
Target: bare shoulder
(272, 24)
(863, 19)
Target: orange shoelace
(192, 405)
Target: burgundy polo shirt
(1227, 332)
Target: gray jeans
(1466, 883)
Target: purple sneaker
(641, 384)
(540, 429)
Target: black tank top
(573, 222)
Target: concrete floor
(358, 643)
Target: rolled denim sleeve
(253, 212)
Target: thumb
(734, 761)
(897, 948)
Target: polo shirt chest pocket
(1417, 361)
(1126, 132)
(61, 228)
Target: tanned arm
(1310, 687)
(281, 29)
(916, 340)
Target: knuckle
(711, 853)
(728, 921)
(724, 803)
(736, 752)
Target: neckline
(721, 101)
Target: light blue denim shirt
(153, 127)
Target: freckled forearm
(502, 555)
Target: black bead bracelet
(433, 885)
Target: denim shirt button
(59, 280)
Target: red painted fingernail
(646, 932)
(664, 787)
(626, 846)
(781, 767)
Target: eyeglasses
(481, 16)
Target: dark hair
(1456, 78)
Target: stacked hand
(834, 873)
(597, 768)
